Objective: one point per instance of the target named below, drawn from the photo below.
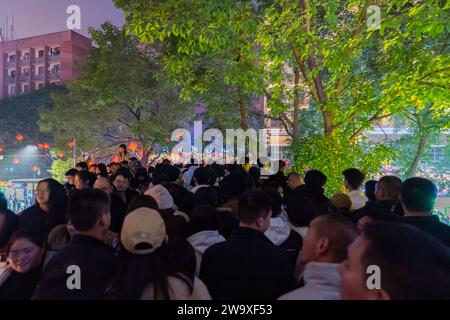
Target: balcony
(54, 75)
(54, 57)
(10, 63)
(24, 78)
(10, 79)
(24, 62)
(39, 60)
(38, 76)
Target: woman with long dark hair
(49, 210)
(151, 268)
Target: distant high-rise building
(31, 63)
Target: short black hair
(71, 172)
(253, 205)
(85, 176)
(86, 207)
(124, 163)
(354, 177)
(3, 202)
(315, 178)
(277, 202)
(206, 195)
(203, 218)
(123, 146)
(419, 194)
(341, 232)
(142, 201)
(369, 189)
(415, 265)
(82, 164)
(202, 175)
(392, 185)
(124, 172)
(301, 211)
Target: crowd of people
(223, 232)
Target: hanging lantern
(133, 146)
(20, 137)
(16, 161)
(71, 144)
(60, 154)
(35, 168)
(1, 149)
(115, 159)
(43, 146)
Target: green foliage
(221, 52)
(123, 95)
(59, 169)
(333, 154)
(20, 114)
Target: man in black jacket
(418, 197)
(82, 269)
(248, 265)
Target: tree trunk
(296, 115)
(243, 110)
(420, 150)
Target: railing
(10, 63)
(38, 60)
(10, 79)
(24, 62)
(53, 76)
(53, 57)
(24, 77)
(38, 76)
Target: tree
(208, 47)
(20, 114)
(354, 75)
(423, 129)
(123, 95)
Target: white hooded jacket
(201, 241)
(278, 231)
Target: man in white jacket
(203, 230)
(324, 247)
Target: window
(40, 85)
(26, 88)
(41, 53)
(54, 51)
(13, 74)
(26, 56)
(40, 70)
(12, 91)
(437, 153)
(55, 68)
(12, 58)
(26, 71)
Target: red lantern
(43, 146)
(115, 159)
(35, 168)
(71, 144)
(1, 149)
(19, 137)
(133, 146)
(16, 161)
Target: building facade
(29, 64)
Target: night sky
(35, 17)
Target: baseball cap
(143, 231)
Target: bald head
(103, 184)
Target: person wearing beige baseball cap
(151, 268)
